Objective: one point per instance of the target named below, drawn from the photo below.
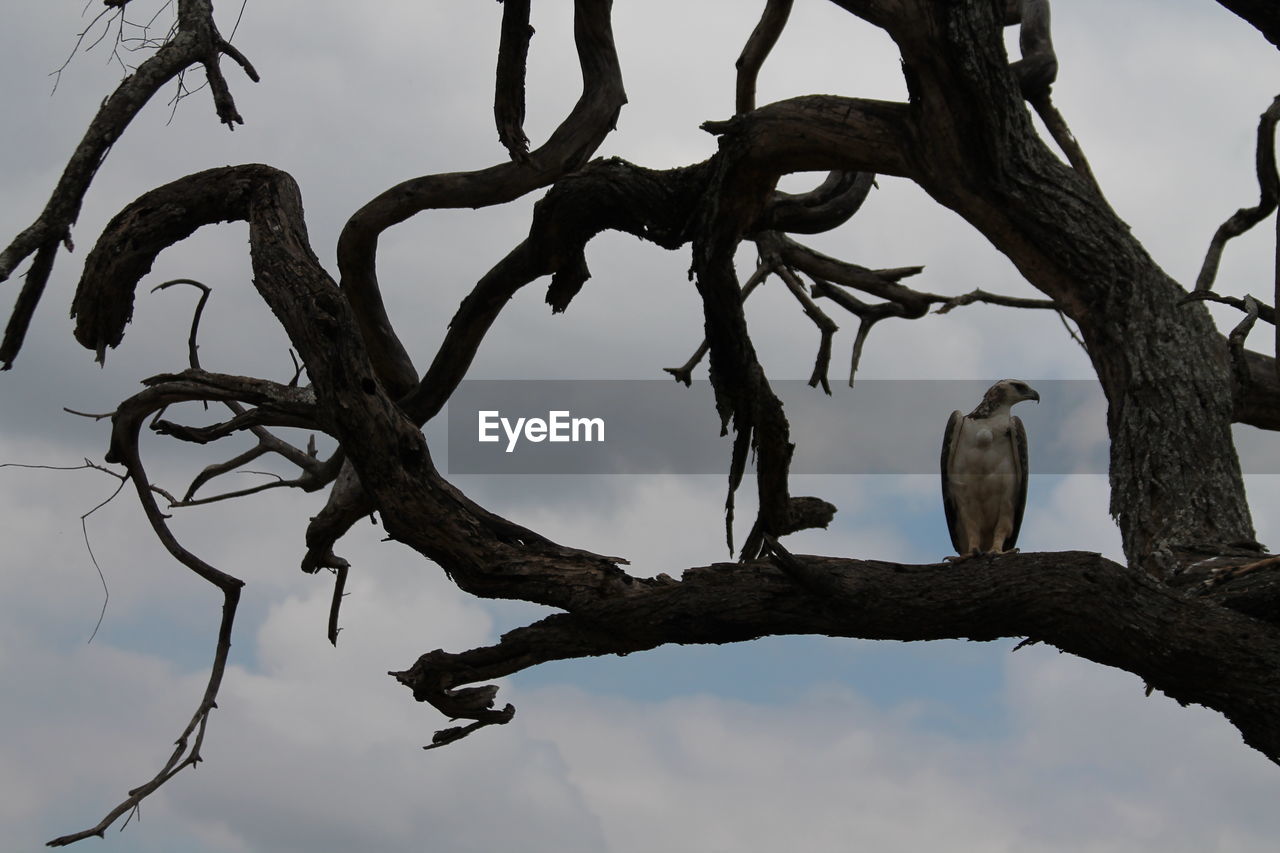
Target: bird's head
(1010, 391)
(1002, 395)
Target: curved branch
(608, 194)
(757, 49)
(1235, 341)
(830, 204)
(196, 41)
(103, 303)
(569, 147)
(1038, 67)
(483, 553)
(1247, 217)
(126, 426)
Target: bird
(984, 472)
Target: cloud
(1072, 771)
(1070, 513)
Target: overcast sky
(825, 744)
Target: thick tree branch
(757, 49)
(1264, 15)
(1257, 402)
(1082, 603)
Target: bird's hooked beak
(1035, 395)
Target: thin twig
(1266, 313)
(339, 587)
(315, 472)
(1075, 335)
(979, 295)
(193, 357)
(84, 524)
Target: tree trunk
(1175, 478)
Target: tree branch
(1247, 217)
(568, 148)
(196, 41)
(483, 553)
(1262, 14)
(126, 425)
(757, 49)
(1079, 602)
(508, 99)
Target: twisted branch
(569, 147)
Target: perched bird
(984, 472)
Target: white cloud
(1071, 514)
(1088, 763)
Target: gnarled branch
(1082, 603)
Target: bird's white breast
(983, 449)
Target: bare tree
(1193, 611)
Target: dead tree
(1194, 611)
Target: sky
(832, 744)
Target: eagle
(984, 472)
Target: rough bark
(1082, 603)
